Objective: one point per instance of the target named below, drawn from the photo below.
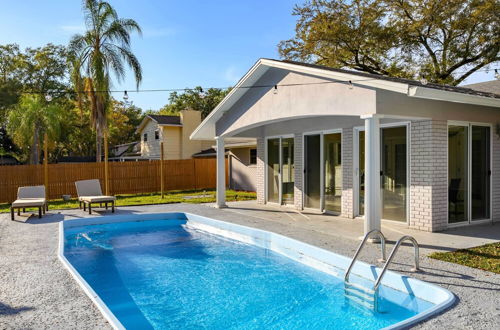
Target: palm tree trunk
(98, 144)
(35, 154)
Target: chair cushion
(31, 192)
(96, 199)
(88, 188)
(29, 202)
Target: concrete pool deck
(36, 291)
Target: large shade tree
(102, 51)
(441, 41)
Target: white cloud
(232, 74)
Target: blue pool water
(162, 274)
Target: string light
(350, 85)
(497, 75)
(275, 90)
(125, 95)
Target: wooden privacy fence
(124, 177)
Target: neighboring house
(125, 152)
(174, 131)
(492, 86)
(242, 154)
(362, 145)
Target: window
(253, 156)
(157, 135)
(145, 139)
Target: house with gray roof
(367, 146)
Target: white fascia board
(441, 95)
(393, 86)
(142, 124)
(206, 130)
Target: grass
(184, 196)
(485, 257)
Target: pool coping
(309, 255)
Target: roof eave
(448, 96)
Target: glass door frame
(469, 220)
(355, 169)
(280, 177)
(322, 167)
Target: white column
(372, 174)
(221, 173)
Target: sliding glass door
(361, 172)
(287, 170)
(469, 173)
(280, 170)
(394, 170)
(332, 153)
(312, 173)
(273, 170)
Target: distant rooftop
(166, 120)
(492, 86)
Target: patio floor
(38, 292)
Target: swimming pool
(179, 270)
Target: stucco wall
(316, 98)
(172, 137)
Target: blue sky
(185, 43)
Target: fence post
(46, 164)
(161, 169)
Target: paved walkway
(37, 292)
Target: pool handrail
(393, 253)
(360, 247)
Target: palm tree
(30, 119)
(102, 50)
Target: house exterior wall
(242, 174)
(172, 142)
(347, 173)
(261, 168)
(151, 147)
(190, 119)
(428, 175)
(295, 101)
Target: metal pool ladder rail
(391, 256)
(367, 297)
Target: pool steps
(367, 297)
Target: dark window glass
(253, 156)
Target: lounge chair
(89, 191)
(31, 196)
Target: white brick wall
(428, 178)
(347, 209)
(299, 171)
(261, 167)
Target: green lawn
(485, 257)
(185, 196)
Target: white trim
(450, 96)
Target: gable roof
(412, 88)
(492, 86)
(161, 120)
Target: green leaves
(194, 99)
(442, 41)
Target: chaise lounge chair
(89, 191)
(31, 196)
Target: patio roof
(411, 88)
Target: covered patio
(363, 146)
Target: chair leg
(43, 209)
(24, 210)
(100, 204)
(11, 213)
(90, 208)
(106, 205)
(80, 205)
(39, 212)
(84, 207)
(113, 207)
(18, 211)
(47, 206)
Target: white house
(363, 145)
